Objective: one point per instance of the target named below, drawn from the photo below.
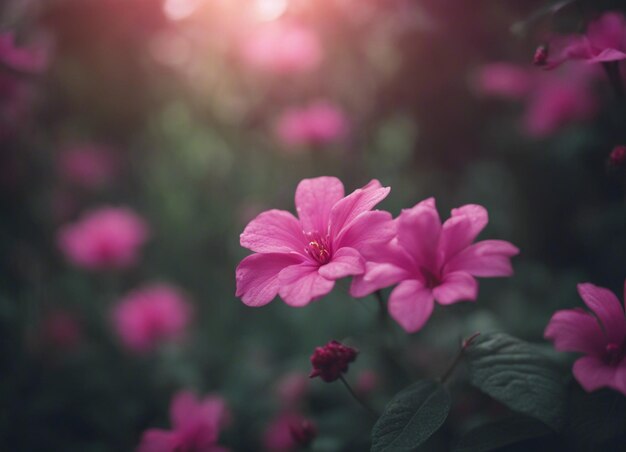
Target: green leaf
(502, 433)
(520, 375)
(411, 417)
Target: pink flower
(152, 314)
(367, 381)
(317, 124)
(552, 99)
(332, 360)
(602, 338)
(87, 165)
(292, 388)
(31, 59)
(282, 48)
(604, 42)
(617, 157)
(288, 432)
(431, 261)
(105, 238)
(301, 258)
(196, 425)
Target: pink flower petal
(376, 276)
(607, 307)
(274, 231)
(619, 382)
(155, 440)
(257, 276)
(411, 304)
(301, 284)
(359, 201)
(574, 330)
(345, 262)
(609, 31)
(460, 230)
(489, 258)
(592, 373)
(455, 287)
(183, 408)
(376, 226)
(314, 200)
(607, 55)
(418, 232)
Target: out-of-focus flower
(332, 360)
(367, 381)
(62, 329)
(319, 123)
(104, 239)
(196, 425)
(291, 389)
(282, 48)
(552, 99)
(150, 315)
(617, 158)
(431, 261)
(87, 165)
(32, 59)
(602, 338)
(304, 433)
(279, 435)
(301, 258)
(604, 42)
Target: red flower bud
(541, 55)
(617, 158)
(331, 360)
(303, 433)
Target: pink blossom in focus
(106, 238)
(282, 48)
(604, 42)
(429, 261)
(600, 336)
(292, 388)
(33, 58)
(317, 124)
(88, 166)
(301, 258)
(150, 315)
(196, 424)
(552, 99)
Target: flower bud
(303, 433)
(331, 360)
(541, 55)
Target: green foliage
(411, 417)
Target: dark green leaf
(411, 417)
(502, 433)
(519, 375)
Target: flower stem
(360, 401)
(464, 345)
(382, 309)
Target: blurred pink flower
(103, 239)
(292, 388)
(87, 165)
(288, 432)
(196, 425)
(316, 124)
(62, 329)
(601, 337)
(367, 381)
(152, 314)
(31, 59)
(552, 99)
(604, 42)
(301, 258)
(431, 261)
(282, 48)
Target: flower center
(318, 247)
(431, 280)
(614, 354)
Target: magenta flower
(288, 432)
(150, 315)
(430, 261)
(196, 425)
(331, 360)
(601, 337)
(282, 48)
(319, 123)
(87, 165)
(301, 258)
(604, 42)
(104, 239)
(32, 59)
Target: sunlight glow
(267, 10)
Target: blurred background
(138, 138)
